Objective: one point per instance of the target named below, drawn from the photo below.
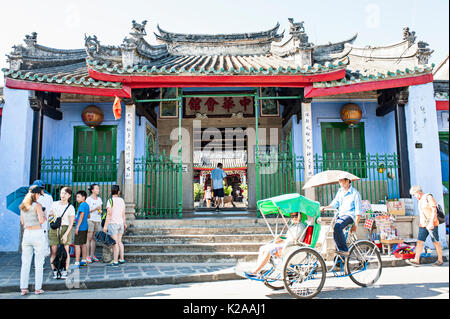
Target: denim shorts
(423, 234)
(114, 229)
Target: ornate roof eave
(361, 83)
(78, 81)
(169, 37)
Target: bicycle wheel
(304, 273)
(274, 280)
(364, 263)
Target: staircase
(196, 240)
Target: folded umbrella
(329, 177)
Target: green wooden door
(94, 153)
(344, 148)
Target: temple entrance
(229, 147)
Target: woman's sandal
(39, 292)
(413, 263)
(437, 263)
(23, 292)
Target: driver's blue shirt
(348, 203)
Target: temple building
(271, 106)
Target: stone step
(189, 257)
(205, 221)
(191, 248)
(248, 229)
(199, 238)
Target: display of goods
(405, 255)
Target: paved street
(425, 282)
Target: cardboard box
(396, 208)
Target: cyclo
(301, 269)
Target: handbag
(56, 223)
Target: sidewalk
(99, 275)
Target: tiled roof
(219, 64)
(356, 77)
(74, 74)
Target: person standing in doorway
(218, 176)
(63, 235)
(428, 225)
(31, 218)
(348, 203)
(94, 221)
(115, 224)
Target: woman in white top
(94, 221)
(31, 218)
(62, 235)
(115, 224)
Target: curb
(68, 284)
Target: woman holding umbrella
(31, 218)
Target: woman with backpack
(63, 234)
(31, 218)
(115, 224)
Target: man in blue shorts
(218, 176)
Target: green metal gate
(158, 187)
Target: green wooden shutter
(344, 148)
(94, 153)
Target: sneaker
(121, 261)
(83, 264)
(55, 274)
(63, 274)
(75, 266)
(89, 260)
(113, 264)
(95, 259)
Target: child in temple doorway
(208, 196)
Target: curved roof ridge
(350, 40)
(168, 36)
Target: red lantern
(92, 116)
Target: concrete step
(199, 238)
(199, 230)
(189, 257)
(204, 221)
(223, 214)
(190, 248)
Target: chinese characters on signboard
(307, 140)
(219, 105)
(128, 144)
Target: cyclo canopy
(289, 203)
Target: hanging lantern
(92, 116)
(351, 114)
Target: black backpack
(440, 213)
(60, 260)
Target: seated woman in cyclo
(275, 247)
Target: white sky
(62, 24)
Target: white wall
(15, 156)
(425, 164)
